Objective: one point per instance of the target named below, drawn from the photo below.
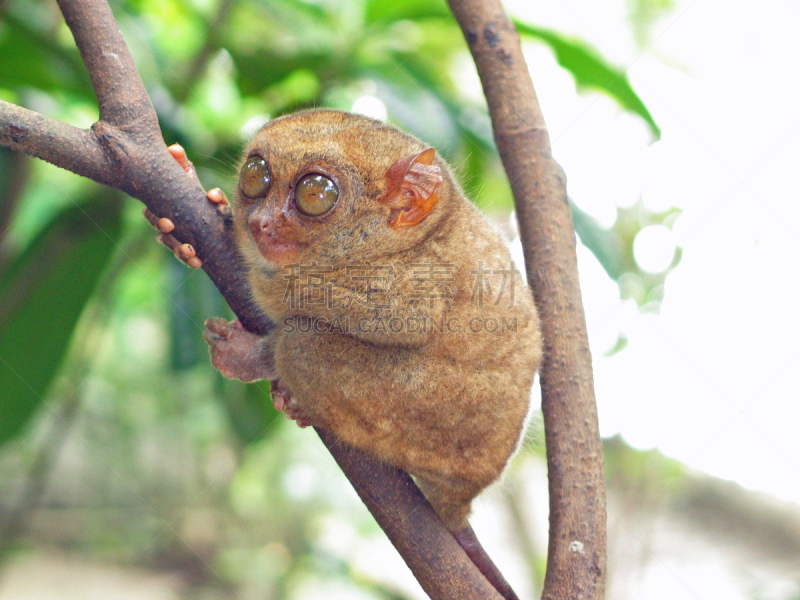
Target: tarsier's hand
(239, 354)
(184, 252)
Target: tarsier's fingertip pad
(278, 402)
(217, 196)
(164, 225)
(194, 262)
(186, 251)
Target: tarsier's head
(331, 186)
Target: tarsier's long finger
(217, 196)
(162, 224)
(179, 154)
(187, 254)
(184, 252)
(280, 395)
(165, 227)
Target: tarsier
(401, 325)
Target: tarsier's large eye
(254, 179)
(315, 195)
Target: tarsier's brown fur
(349, 228)
(446, 404)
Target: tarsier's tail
(469, 542)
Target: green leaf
(613, 248)
(249, 409)
(614, 255)
(42, 295)
(591, 70)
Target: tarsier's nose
(267, 224)
(262, 222)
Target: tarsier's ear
(413, 185)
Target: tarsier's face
(314, 187)
(284, 221)
(291, 190)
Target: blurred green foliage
(84, 287)
(42, 294)
(644, 16)
(590, 70)
(216, 71)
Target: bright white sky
(713, 380)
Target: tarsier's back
(402, 325)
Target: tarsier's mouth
(280, 252)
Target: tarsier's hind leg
(450, 499)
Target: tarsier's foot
(236, 353)
(184, 252)
(282, 401)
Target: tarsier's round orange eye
(315, 195)
(254, 179)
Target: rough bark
(576, 560)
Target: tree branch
(125, 150)
(63, 145)
(576, 560)
(116, 82)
